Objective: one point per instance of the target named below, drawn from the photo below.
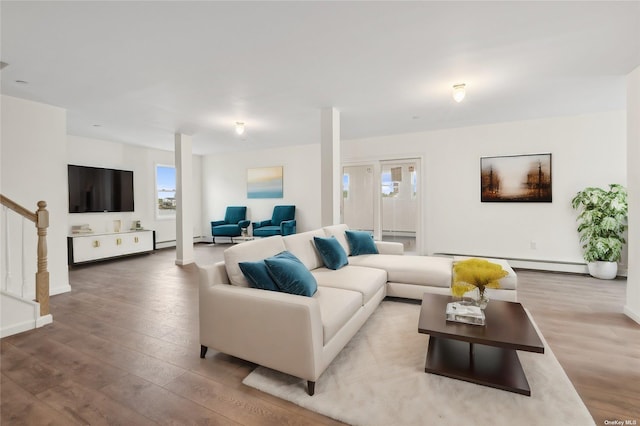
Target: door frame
(377, 196)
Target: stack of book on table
(81, 229)
(464, 312)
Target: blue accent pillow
(258, 275)
(332, 254)
(291, 276)
(361, 242)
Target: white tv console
(86, 248)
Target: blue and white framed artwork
(264, 182)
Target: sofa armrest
(388, 247)
(288, 227)
(277, 330)
(244, 223)
(261, 223)
(217, 222)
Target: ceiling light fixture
(239, 127)
(459, 92)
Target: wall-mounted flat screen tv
(93, 189)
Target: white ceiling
(146, 70)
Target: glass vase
(481, 300)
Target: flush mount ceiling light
(239, 128)
(459, 92)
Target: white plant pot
(603, 270)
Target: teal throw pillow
(258, 275)
(332, 254)
(361, 242)
(291, 276)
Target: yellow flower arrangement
(476, 273)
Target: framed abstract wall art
(516, 178)
(264, 182)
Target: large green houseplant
(602, 220)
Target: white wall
(632, 307)
(34, 167)
(587, 150)
(224, 183)
(100, 153)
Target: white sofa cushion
(510, 282)
(301, 245)
(337, 306)
(366, 281)
(250, 252)
(419, 270)
(338, 232)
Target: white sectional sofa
(301, 335)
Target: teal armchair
(231, 226)
(282, 222)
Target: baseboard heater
(536, 264)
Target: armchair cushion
(291, 276)
(333, 255)
(361, 242)
(235, 214)
(282, 213)
(262, 223)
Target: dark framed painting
(516, 178)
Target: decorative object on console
(602, 220)
(231, 226)
(81, 229)
(480, 274)
(264, 182)
(117, 224)
(516, 178)
(282, 222)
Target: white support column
(331, 185)
(184, 200)
(632, 306)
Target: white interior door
(383, 197)
(358, 196)
(400, 201)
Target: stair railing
(41, 219)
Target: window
(165, 192)
(345, 186)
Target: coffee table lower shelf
(491, 366)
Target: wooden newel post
(42, 276)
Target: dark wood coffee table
(486, 354)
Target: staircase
(24, 303)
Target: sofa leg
(311, 387)
(214, 239)
(203, 351)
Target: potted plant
(602, 220)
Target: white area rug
(379, 379)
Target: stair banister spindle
(23, 264)
(42, 276)
(7, 257)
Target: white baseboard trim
(44, 320)
(20, 327)
(632, 314)
(172, 243)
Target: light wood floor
(123, 349)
